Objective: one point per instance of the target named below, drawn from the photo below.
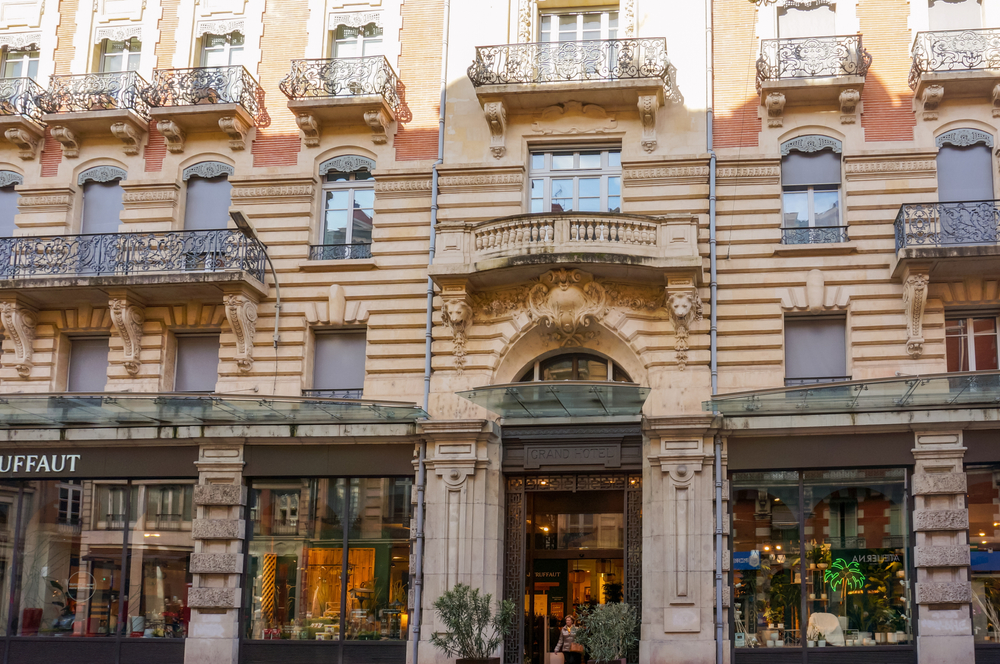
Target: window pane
(593, 369)
(339, 361)
(562, 195)
(88, 365)
(336, 216)
(985, 343)
(207, 203)
(537, 162)
(562, 161)
(8, 514)
(364, 199)
(590, 187)
(956, 345)
(590, 160)
(984, 540)
(826, 205)
(795, 206)
(615, 159)
(197, 363)
(815, 348)
(614, 186)
(558, 369)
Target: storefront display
(984, 542)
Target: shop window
(357, 41)
(197, 364)
(817, 19)
(8, 209)
(810, 198)
(221, 50)
(838, 536)
(102, 206)
(815, 350)
(88, 364)
(311, 580)
(348, 209)
(575, 366)
(20, 63)
(955, 14)
(965, 173)
(339, 365)
(207, 197)
(119, 56)
(984, 541)
(584, 181)
(971, 343)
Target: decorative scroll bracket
(310, 129)
(379, 122)
(684, 307)
(128, 317)
(19, 323)
(456, 313)
(129, 135)
(236, 130)
(849, 100)
(241, 312)
(915, 302)
(931, 98)
(996, 100)
(775, 104)
(25, 141)
(172, 134)
(648, 104)
(496, 118)
(68, 140)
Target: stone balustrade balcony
(812, 71)
(202, 99)
(948, 239)
(334, 91)
(955, 64)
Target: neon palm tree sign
(845, 573)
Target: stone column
(217, 562)
(463, 517)
(941, 550)
(678, 551)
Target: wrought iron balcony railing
(590, 60)
(208, 85)
(125, 254)
(811, 57)
(19, 96)
(101, 91)
(954, 50)
(816, 235)
(339, 252)
(343, 77)
(947, 224)
(334, 394)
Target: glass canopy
(119, 410)
(570, 398)
(950, 390)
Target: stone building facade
(687, 305)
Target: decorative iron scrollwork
(589, 60)
(513, 567)
(343, 77)
(99, 91)
(339, 252)
(232, 84)
(811, 57)
(817, 235)
(633, 551)
(954, 50)
(947, 224)
(19, 96)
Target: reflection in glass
(984, 540)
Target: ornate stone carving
(310, 129)
(628, 18)
(241, 312)
(647, 114)
(457, 315)
(271, 192)
(128, 317)
(890, 167)
(931, 520)
(811, 143)
(941, 556)
(914, 302)
(66, 138)
(19, 325)
(172, 134)
(957, 592)
(515, 179)
(236, 130)
(347, 163)
(102, 174)
(961, 138)
(995, 97)
(574, 117)
(926, 484)
(379, 122)
(774, 102)
(497, 304)
(129, 135)
(567, 301)
(815, 297)
(8, 178)
(634, 297)
(402, 186)
(496, 118)
(674, 173)
(219, 27)
(849, 100)
(207, 169)
(119, 33)
(930, 100)
(24, 140)
(165, 196)
(43, 201)
(16, 41)
(355, 19)
(525, 16)
(683, 308)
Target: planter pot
(811, 644)
(779, 643)
(821, 644)
(812, 595)
(781, 625)
(812, 567)
(770, 643)
(823, 596)
(822, 566)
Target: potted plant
(608, 631)
(820, 640)
(474, 631)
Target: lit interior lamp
(982, 534)
(777, 500)
(767, 548)
(545, 528)
(777, 547)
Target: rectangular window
(70, 498)
(815, 350)
(955, 14)
(971, 343)
(984, 540)
(357, 42)
(88, 364)
(339, 365)
(20, 63)
(810, 183)
(311, 580)
(221, 50)
(197, 367)
(582, 181)
(578, 26)
(119, 56)
(807, 21)
(348, 208)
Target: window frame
(25, 60)
(970, 335)
(350, 185)
(793, 381)
(810, 198)
(360, 42)
(216, 334)
(533, 373)
(126, 55)
(226, 47)
(605, 173)
(607, 32)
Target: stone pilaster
(941, 549)
(217, 562)
(463, 516)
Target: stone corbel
(684, 307)
(236, 130)
(849, 100)
(930, 100)
(775, 104)
(816, 297)
(18, 322)
(241, 312)
(128, 317)
(68, 140)
(456, 313)
(129, 135)
(915, 302)
(172, 134)
(379, 122)
(310, 129)
(648, 105)
(996, 100)
(24, 140)
(496, 118)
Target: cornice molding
(272, 192)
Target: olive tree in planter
(474, 631)
(608, 631)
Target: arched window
(575, 366)
(208, 196)
(348, 207)
(102, 199)
(965, 165)
(810, 186)
(8, 201)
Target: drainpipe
(418, 547)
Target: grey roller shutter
(8, 208)
(339, 361)
(197, 368)
(88, 365)
(965, 173)
(815, 348)
(810, 168)
(207, 204)
(102, 206)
